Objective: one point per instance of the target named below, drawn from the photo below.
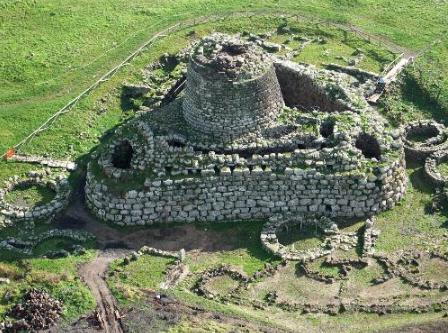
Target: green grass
(222, 285)
(309, 237)
(30, 195)
(145, 273)
(17, 232)
(321, 266)
(54, 49)
(60, 243)
(366, 275)
(423, 92)
(206, 326)
(411, 224)
(57, 276)
(443, 169)
(246, 253)
(434, 269)
(8, 169)
(68, 47)
(350, 323)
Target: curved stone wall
(241, 196)
(230, 108)
(432, 168)
(432, 137)
(59, 184)
(230, 150)
(306, 88)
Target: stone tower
(231, 87)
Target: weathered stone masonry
(249, 196)
(219, 104)
(229, 150)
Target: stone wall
(429, 137)
(306, 88)
(230, 150)
(226, 107)
(249, 195)
(432, 168)
(15, 212)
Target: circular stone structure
(229, 149)
(231, 87)
(432, 164)
(429, 135)
(270, 242)
(59, 185)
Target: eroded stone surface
(252, 157)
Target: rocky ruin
(37, 311)
(251, 136)
(57, 182)
(423, 138)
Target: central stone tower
(229, 150)
(231, 87)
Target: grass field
(30, 195)
(54, 49)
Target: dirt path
(171, 311)
(93, 275)
(171, 238)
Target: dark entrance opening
(176, 143)
(369, 146)
(234, 49)
(327, 128)
(122, 155)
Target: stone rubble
(45, 161)
(38, 311)
(208, 275)
(162, 253)
(370, 237)
(431, 169)
(333, 238)
(25, 246)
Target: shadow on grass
(310, 235)
(413, 92)
(420, 182)
(127, 103)
(30, 195)
(240, 235)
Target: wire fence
(176, 27)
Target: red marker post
(10, 153)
